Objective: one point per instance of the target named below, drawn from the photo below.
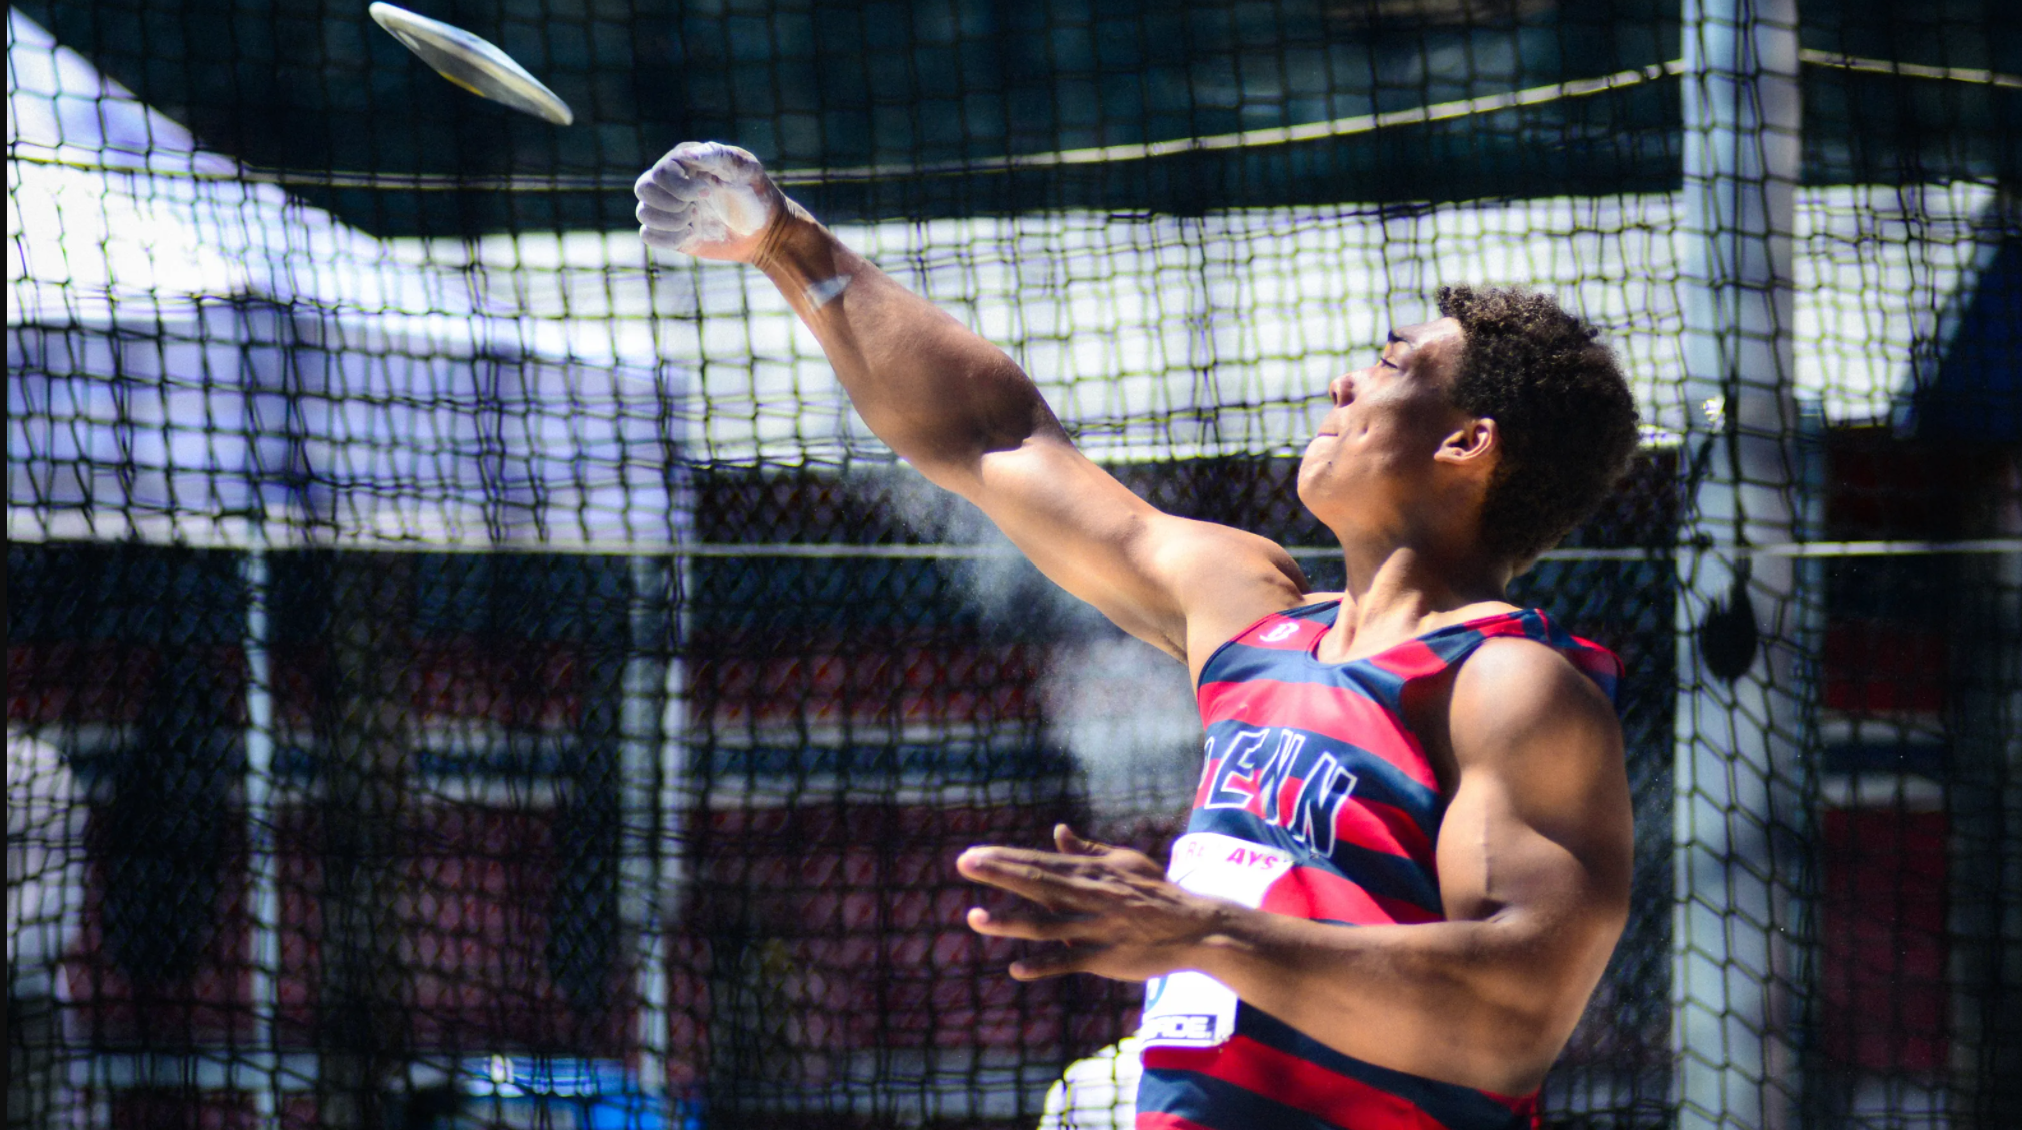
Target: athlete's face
(1375, 457)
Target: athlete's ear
(1477, 443)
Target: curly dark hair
(1567, 421)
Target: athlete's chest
(1316, 791)
(1321, 759)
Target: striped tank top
(1315, 800)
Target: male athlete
(1409, 855)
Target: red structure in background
(209, 1006)
(103, 688)
(820, 926)
(474, 887)
(1876, 667)
(1882, 657)
(81, 682)
(476, 879)
(867, 684)
(478, 864)
(166, 1108)
(855, 916)
(1882, 941)
(1884, 993)
(850, 900)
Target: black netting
(464, 670)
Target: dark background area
(311, 87)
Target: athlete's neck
(1395, 592)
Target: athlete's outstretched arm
(962, 413)
(1534, 860)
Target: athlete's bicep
(1180, 585)
(1538, 835)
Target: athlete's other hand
(709, 200)
(1112, 908)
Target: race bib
(1193, 1010)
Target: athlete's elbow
(1511, 1036)
(1503, 1025)
(1531, 993)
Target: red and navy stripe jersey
(1315, 761)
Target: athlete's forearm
(1490, 1001)
(941, 396)
(1487, 1002)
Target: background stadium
(464, 671)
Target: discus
(471, 62)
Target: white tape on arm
(822, 293)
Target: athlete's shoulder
(1226, 579)
(1213, 553)
(1517, 687)
(1601, 666)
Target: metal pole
(263, 874)
(651, 689)
(655, 801)
(1741, 711)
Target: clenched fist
(710, 200)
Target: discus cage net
(463, 670)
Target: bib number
(1189, 1009)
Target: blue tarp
(1977, 396)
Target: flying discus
(474, 63)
